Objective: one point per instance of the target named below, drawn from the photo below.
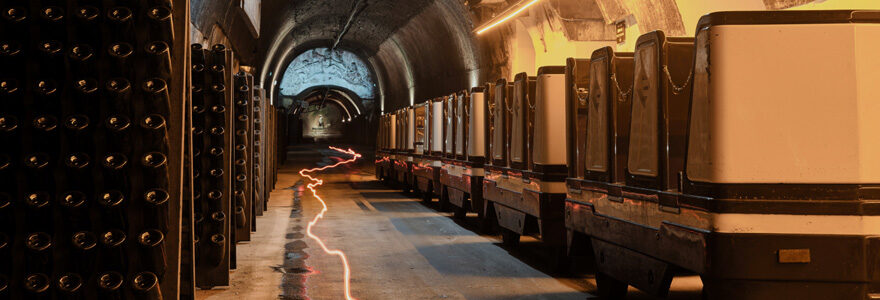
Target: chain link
(622, 96)
(677, 89)
(467, 108)
(529, 102)
(507, 106)
(491, 108)
(582, 94)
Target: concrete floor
(398, 248)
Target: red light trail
(315, 182)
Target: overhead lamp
(507, 15)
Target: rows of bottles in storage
(94, 103)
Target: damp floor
(397, 246)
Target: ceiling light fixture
(507, 15)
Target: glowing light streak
(315, 182)
(507, 17)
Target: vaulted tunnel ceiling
(323, 20)
(396, 37)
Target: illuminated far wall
(325, 123)
(537, 42)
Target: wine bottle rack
(213, 150)
(91, 135)
(259, 153)
(241, 179)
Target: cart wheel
(610, 288)
(509, 237)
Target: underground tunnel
(436, 149)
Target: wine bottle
(11, 55)
(216, 172)
(45, 124)
(46, 93)
(217, 222)
(197, 131)
(8, 123)
(152, 245)
(75, 207)
(112, 205)
(215, 195)
(69, 286)
(115, 170)
(37, 286)
(51, 22)
(157, 98)
(51, 56)
(15, 22)
(218, 89)
(121, 58)
(161, 25)
(5, 255)
(240, 217)
(216, 151)
(38, 212)
(159, 57)
(77, 169)
(4, 286)
(145, 286)
(156, 201)
(110, 285)
(84, 250)
(86, 90)
(118, 94)
(88, 19)
(215, 250)
(217, 131)
(121, 20)
(155, 126)
(155, 166)
(82, 59)
(115, 161)
(39, 253)
(112, 252)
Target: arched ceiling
(393, 36)
(310, 20)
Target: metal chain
(467, 109)
(507, 105)
(622, 95)
(582, 94)
(529, 102)
(491, 109)
(677, 89)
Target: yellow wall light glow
(506, 17)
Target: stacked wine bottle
(259, 197)
(243, 111)
(86, 193)
(212, 143)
